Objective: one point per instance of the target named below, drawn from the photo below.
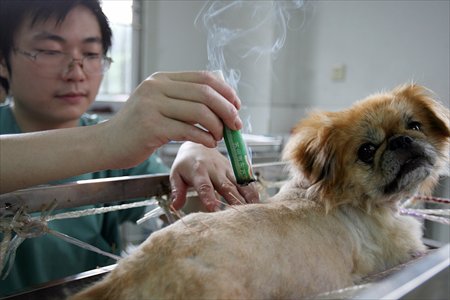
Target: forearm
(36, 158)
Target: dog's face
(382, 149)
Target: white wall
(380, 43)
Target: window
(117, 82)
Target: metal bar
(105, 190)
(61, 288)
(86, 192)
(429, 273)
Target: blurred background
(283, 57)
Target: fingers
(206, 78)
(225, 184)
(194, 113)
(235, 194)
(190, 170)
(178, 191)
(208, 171)
(206, 192)
(249, 192)
(174, 130)
(204, 189)
(231, 193)
(168, 106)
(203, 88)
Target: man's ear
(3, 70)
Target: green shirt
(45, 258)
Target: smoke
(243, 30)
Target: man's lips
(72, 98)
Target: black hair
(13, 13)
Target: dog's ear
(311, 151)
(437, 115)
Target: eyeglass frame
(105, 59)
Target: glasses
(54, 62)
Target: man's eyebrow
(44, 35)
(94, 39)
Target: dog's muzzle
(405, 163)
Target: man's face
(55, 96)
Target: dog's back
(281, 250)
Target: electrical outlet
(338, 72)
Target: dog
(335, 221)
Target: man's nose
(75, 70)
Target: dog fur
(335, 222)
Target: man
(52, 58)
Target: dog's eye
(366, 152)
(413, 125)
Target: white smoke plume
(231, 27)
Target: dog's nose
(400, 142)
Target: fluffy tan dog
(334, 223)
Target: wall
(380, 44)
